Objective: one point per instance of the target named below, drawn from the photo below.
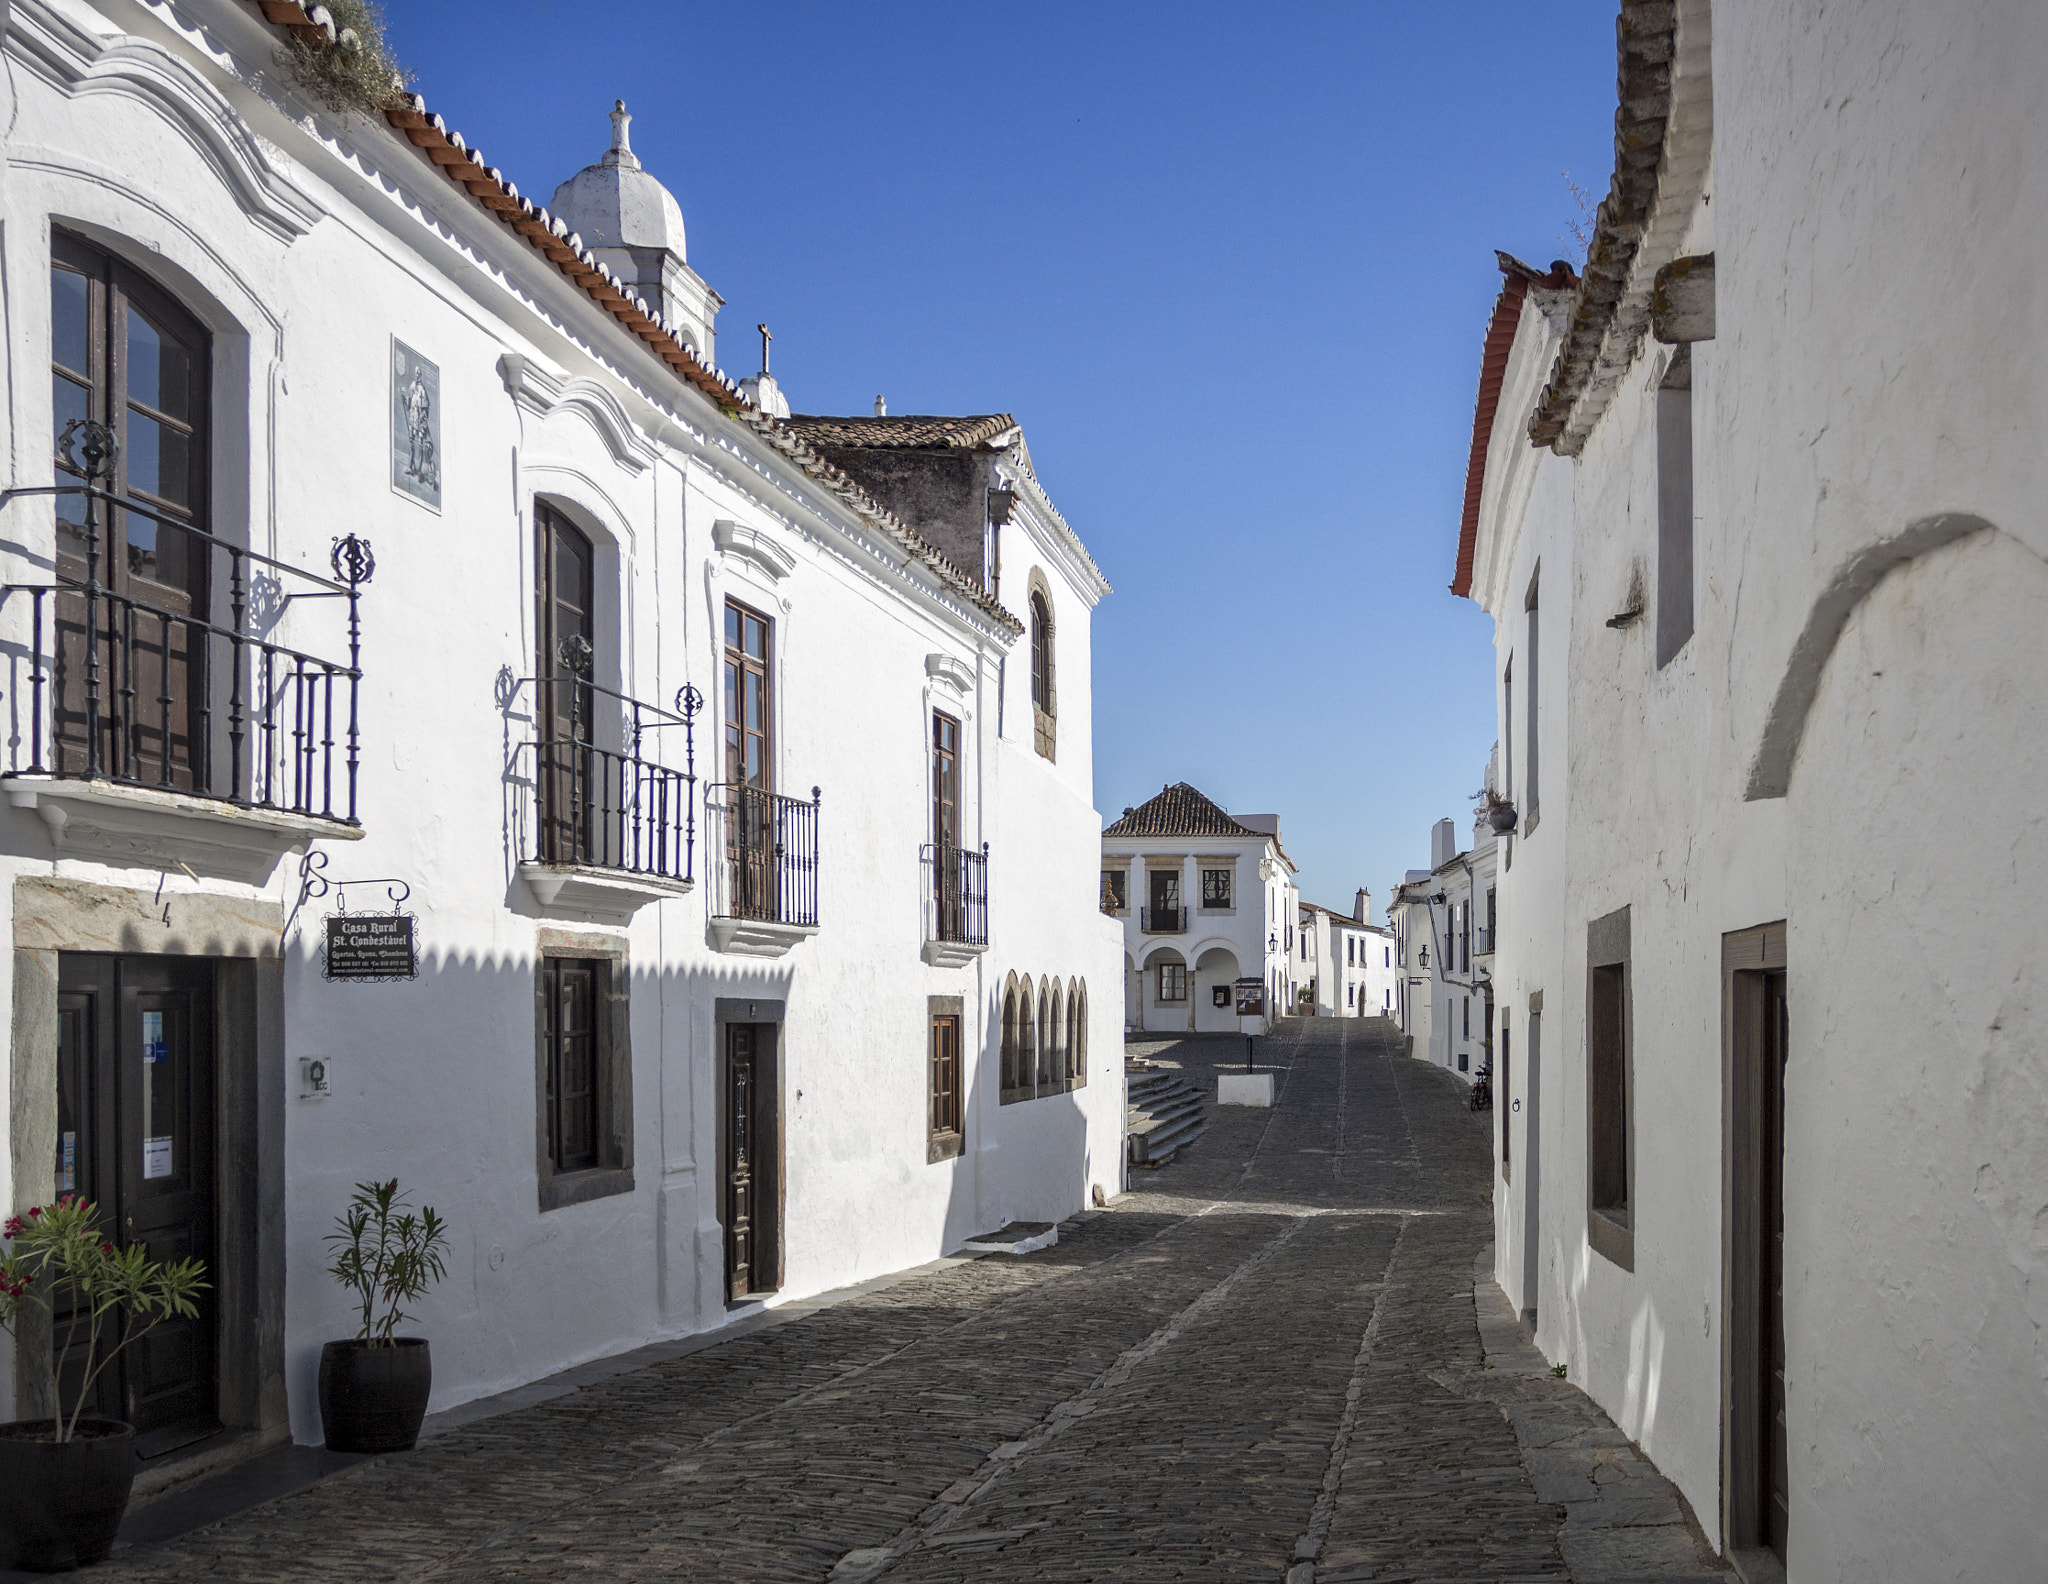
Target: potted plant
(374, 1386)
(64, 1481)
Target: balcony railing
(1163, 921)
(128, 689)
(609, 807)
(766, 854)
(956, 886)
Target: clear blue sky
(1230, 266)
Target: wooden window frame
(945, 1128)
(1746, 957)
(1611, 1222)
(1159, 983)
(734, 716)
(1044, 670)
(1229, 888)
(612, 1071)
(1116, 884)
(1674, 507)
(1532, 719)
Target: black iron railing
(1163, 921)
(956, 882)
(609, 807)
(123, 688)
(767, 851)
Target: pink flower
(13, 1227)
(106, 1248)
(35, 1210)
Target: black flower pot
(60, 1502)
(373, 1398)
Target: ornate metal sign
(361, 948)
(415, 426)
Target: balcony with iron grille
(955, 903)
(607, 818)
(1163, 921)
(764, 868)
(195, 704)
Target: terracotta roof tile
(1179, 810)
(905, 433)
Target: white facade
(1777, 782)
(164, 140)
(1205, 899)
(1444, 995)
(1350, 960)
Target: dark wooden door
(124, 354)
(946, 823)
(748, 1155)
(135, 1130)
(566, 572)
(1165, 885)
(1774, 1498)
(750, 765)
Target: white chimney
(1361, 907)
(1443, 843)
(881, 408)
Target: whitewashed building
(1349, 960)
(1771, 618)
(1444, 934)
(440, 576)
(1205, 898)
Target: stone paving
(1264, 1362)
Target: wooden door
(946, 824)
(124, 354)
(1773, 1498)
(135, 1128)
(565, 563)
(1165, 885)
(748, 1154)
(750, 765)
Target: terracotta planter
(61, 1502)
(373, 1399)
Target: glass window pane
(159, 460)
(69, 320)
(732, 627)
(159, 369)
(68, 400)
(757, 638)
(756, 702)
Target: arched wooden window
(124, 354)
(1009, 1046)
(1027, 1041)
(565, 584)
(1043, 709)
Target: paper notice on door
(67, 1163)
(156, 1157)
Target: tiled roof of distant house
(1179, 810)
(905, 433)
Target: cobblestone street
(1263, 1362)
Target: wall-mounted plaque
(415, 426)
(370, 946)
(1251, 998)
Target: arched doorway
(1215, 971)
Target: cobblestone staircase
(1163, 1113)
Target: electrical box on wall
(314, 1075)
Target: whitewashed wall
(1870, 539)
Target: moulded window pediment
(751, 544)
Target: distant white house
(1349, 961)
(1206, 899)
(1444, 926)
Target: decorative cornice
(945, 670)
(750, 544)
(540, 391)
(80, 63)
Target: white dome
(615, 203)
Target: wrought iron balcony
(765, 861)
(603, 803)
(1163, 921)
(200, 671)
(956, 902)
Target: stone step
(1156, 1149)
(1143, 1118)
